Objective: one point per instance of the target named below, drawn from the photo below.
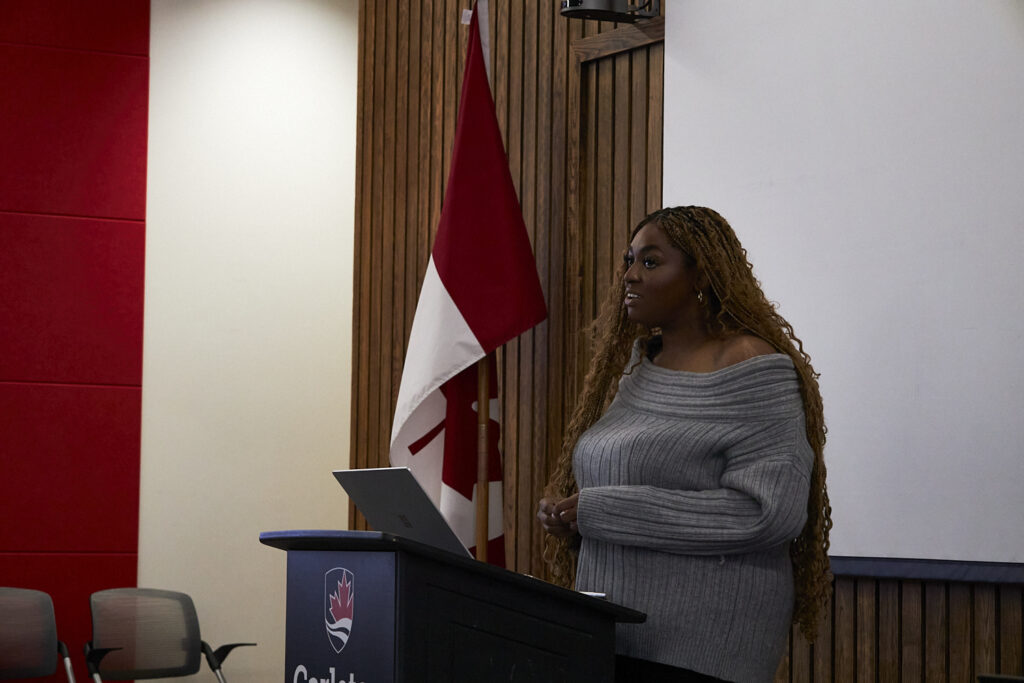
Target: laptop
(393, 502)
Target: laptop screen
(393, 502)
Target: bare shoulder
(742, 347)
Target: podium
(369, 607)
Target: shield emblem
(339, 600)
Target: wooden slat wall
(581, 118)
(890, 630)
(411, 58)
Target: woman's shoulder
(759, 384)
(741, 347)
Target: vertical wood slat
(911, 627)
(574, 186)
(622, 179)
(393, 237)
(376, 254)
(603, 98)
(386, 238)
(361, 310)
(411, 180)
(655, 129)
(936, 634)
(638, 150)
(582, 134)
(411, 62)
(844, 626)
(1011, 631)
(531, 485)
(437, 116)
(428, 72)
(595, 173)
(866, 630)
(984, 628)
(451, 60)
(888, 636)
(512, 125)
(532, 150)
(960, 621)
(500, 71)
(784, 672)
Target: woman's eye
(628, 260)
(649, 263)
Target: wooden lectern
(367, 607)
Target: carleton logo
(339, 599)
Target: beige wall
(247, 347)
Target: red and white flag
(481, 290)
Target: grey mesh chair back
(29, 647)
(145, 633)
(140, 633)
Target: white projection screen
(870, 156)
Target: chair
(28, 636)
(142, 633)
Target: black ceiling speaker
(610, 10)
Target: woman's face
(661, 281)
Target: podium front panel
(340, 617)
(462, 626)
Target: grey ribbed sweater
(691, 487)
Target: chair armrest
(216, 657)
(94, 655)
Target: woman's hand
(558, 517)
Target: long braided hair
(733, 304)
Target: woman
(697, 495)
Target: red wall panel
(71, 468)
(102, 25)
(73, 132)
(74, 81)
(72, 299)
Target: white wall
(248, 303)
(870, 156)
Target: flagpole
(483, 374)
(483, 419)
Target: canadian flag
(481, 289)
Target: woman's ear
(702, 281)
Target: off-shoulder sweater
(692, 486)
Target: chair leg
(62, 649)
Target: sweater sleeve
(761, 502)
